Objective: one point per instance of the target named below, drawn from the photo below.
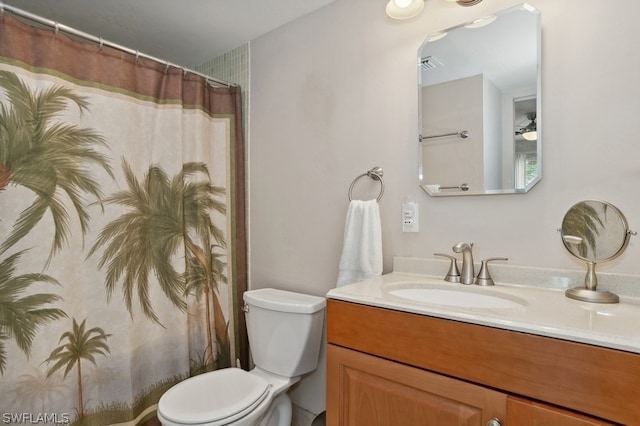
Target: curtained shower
(122, 228)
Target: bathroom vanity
(541, 359)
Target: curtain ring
(137, 56)
(56, 28)
(101, 44)
(166, 67)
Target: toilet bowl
(285, 332)
(228, 397)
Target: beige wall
(334, 94)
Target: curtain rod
(99, 40)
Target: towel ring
(375, 174)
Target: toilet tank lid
(284, 301)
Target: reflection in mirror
(525, 161)
(594, 231)
(479, 106)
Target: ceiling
(185, 32)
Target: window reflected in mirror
(526, 142)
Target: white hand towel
(362, 247)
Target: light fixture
(530, 131)
(466, 2)
(404, 9)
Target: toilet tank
(285, 330)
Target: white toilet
(285, 333)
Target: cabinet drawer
(521, 412)
(363, 390)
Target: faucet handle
(453, 275)
(484, 277)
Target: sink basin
(458, 298)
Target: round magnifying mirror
(594, 231)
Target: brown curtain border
(239, 263)
(37, 49)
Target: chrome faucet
(467, 276)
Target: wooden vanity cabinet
(391, 368)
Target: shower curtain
(122, 229)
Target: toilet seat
(215, 398)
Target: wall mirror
(479, 106)
(594, 231)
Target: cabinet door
(364, 390)
(522, 412)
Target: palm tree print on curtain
(47, 156)
(115, 282)
(163, 216)
(21, 315)
(78, 344)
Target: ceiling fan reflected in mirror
(529, 132)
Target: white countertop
(545, 311)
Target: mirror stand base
(595, 296)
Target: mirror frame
(461, 188)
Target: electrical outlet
(410, 217)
